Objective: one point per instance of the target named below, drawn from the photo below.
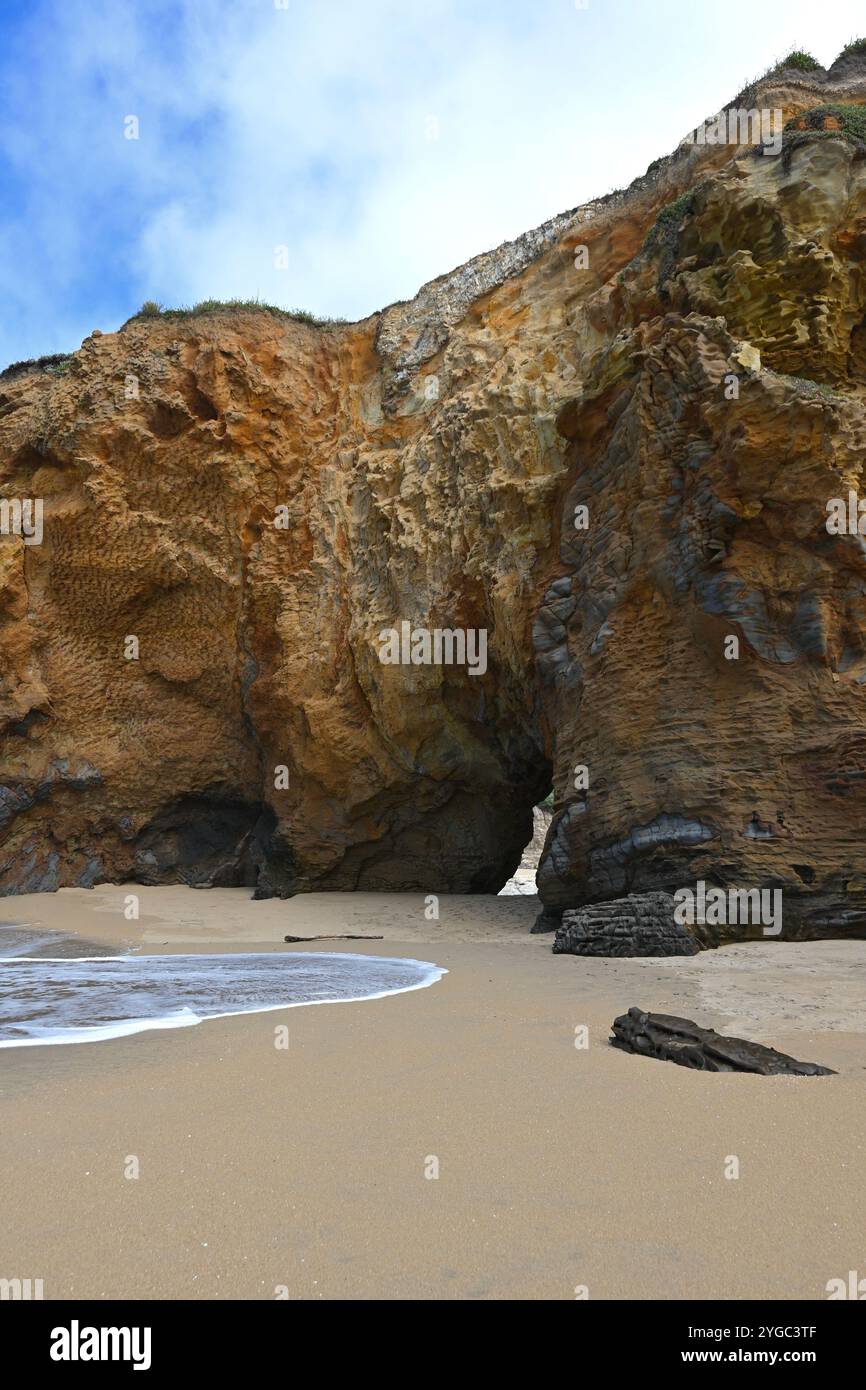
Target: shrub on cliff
(663, 235)
(798, 58)
(663, 231)
(823, 122)
(55, 364)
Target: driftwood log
(344, 936)
(686, 1043)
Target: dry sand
(558, 1167)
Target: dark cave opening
(214, 840)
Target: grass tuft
(798, 58)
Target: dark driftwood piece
(342, 937)
(681, 1041)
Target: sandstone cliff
(426, 465)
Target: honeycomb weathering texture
(429, 461)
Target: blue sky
(382, 142)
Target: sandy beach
(300, 1172)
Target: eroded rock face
(709, 521)
(426, 466)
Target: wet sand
(264, 1169)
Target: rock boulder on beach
(680, 1040)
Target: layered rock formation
(640, 924)
(237, 505)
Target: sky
(333, 155)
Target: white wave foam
(55, 1000)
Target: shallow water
(21, 939)
(89, 999)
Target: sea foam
(90, 999)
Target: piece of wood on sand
(345, 936)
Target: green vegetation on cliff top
(151, 310)
(55, 364)
(797, 58)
